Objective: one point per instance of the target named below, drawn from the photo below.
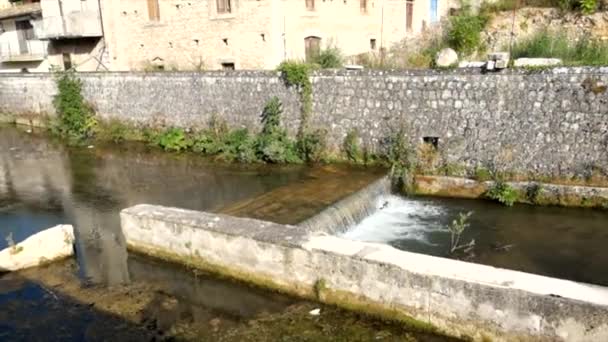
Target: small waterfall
(349, 211)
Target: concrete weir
(455, 297)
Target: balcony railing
(25, 51)
(71, 25)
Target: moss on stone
(320, 291)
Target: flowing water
(107, 294)
(567, 243)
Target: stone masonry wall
(553, 122)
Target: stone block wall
(553, 122)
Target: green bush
(402, 159)
(351, 147)
(329, 58)
(482, 174)
(464, 33)
(172, 139)
(312, 145)
(503, 193)
(555, 45)
(273, 145)
(75, 118)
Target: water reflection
(43, 183)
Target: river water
(568, 243)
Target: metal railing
(24, 51)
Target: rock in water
(446, 58)
(47, 245)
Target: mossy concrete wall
(458, 298)
(550, 122)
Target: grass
(555, 45)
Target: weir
(351, 210)
(457, 298)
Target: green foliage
(352, 148)
(482, 174)
(588, 6)
(402, 160)
(297, 74)
(75, 118)
(546, 44)
(172, 139)
(273, 145)
(312, 145)
(503, 193)
(533, 192)
(116, 131)
(458, 226)
(319, 287)
(329, 58)
(464, 33)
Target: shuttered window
(312, 47)
(153, 10)
(409, 15)
(310, 5)
(224, 6)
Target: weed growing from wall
(273, 144)
(503, 193)
(402, 160)
(352, 148)
(75, 119)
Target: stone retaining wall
(551, 122)
(459, 298)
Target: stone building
(255, 34)
(122, 35)
(44, 35)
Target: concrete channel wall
(458, 298)
(550, 122)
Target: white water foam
(398, 218)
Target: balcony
(25, 51)
(18, 10)
(72, 25)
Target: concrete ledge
(459, 298)
(41, 248)
(548, 194)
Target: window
(363, 5)
(409, 13)
(228, 66)
(312, 46)
(310, 5)
(67, 61)
(153, 10)
(26, 28)
(372, 44)
(224, 6)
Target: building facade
(122, 35)
(255, 34)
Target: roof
(19, 10)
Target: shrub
(75, 118)
(173, 139)
(329, 58)
(464, 33)
(482, 174)
(312, 145)
(533, 192)
(273, 145)
(239, 145)
(456, 229)
(503, 193)
(402, 160)
(351, 147)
